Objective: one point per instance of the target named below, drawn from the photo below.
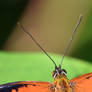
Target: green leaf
(37, 67)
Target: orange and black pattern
(26, 86)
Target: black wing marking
(14, 85)
(8, 87)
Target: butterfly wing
(27, 86)
(82, 83)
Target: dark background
(10, 11)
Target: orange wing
(82, 83)
(27, 86)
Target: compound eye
(64, 72)
(54, 74)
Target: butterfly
(61, 82)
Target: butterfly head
(58, 72)
(61, 82)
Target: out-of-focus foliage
(37, 67)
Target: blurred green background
(36, 66)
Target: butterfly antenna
(36, 42)
(70, 40)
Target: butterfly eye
(64, 72)
(54, 74)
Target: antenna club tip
(81, 16)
